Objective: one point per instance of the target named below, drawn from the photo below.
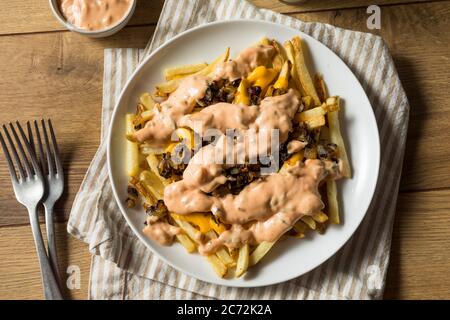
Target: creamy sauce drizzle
(295, 146)
(157, 132)
(94, 15)
(221, 116)
(272, 204)
(245, 62)
(160, 231)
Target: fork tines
(50, 152)
(24, 157)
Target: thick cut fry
(172, 85)
(302, 71)
(147, 101)
(321, 90)
(152, 183)
(320, 217)
(183, 71)
(336, 137)
(146, 149)
(307, 102)
(309, 222)
(332, 103)
(132, 149)
(243, 260)
(219, 267)
(311, 114)
(193, 233)
(264, 41)
(148, 198)
(222, 253)
(186, 242)
(153, 161)
(300, 227)
(280, 58)
(294, 70)
(260, 251)
(315, 122)
(333, 205)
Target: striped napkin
(123, 268)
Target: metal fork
(52, 171)
(28, 187)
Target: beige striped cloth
(123, 268)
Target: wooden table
(47, 71)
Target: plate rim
(376, 148)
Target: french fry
(320, 217)
(321, 90)
(332, 104)
(300, 227)
(315, 122)
(336, 137)
(309, 222)
(280, 58)
(311, 114)
(294, 70)
(260, 251)
(219, 267)
(193, 233)
(143, 192)
(264, 41)
(222, 253)
(183, 71)
(332, 200)
(243, 260)
(307, 102)
(131, 149)
(333, 205)
(147, 101)
(146, 149)
(302, 71)
(186, 242)
(152, 183)
(170, 86)
(153, 161)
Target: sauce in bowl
(94, 15)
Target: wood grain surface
(50, 72)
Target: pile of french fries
(320, 114)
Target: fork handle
(51, 240)
(51, 288)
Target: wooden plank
(43, 73)
(418, 269)
(311, 6)
(19, 268)
(420, 258)
(36, 16)
(420, 49)
(57, 75)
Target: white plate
(290, 258)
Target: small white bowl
(97, 33)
